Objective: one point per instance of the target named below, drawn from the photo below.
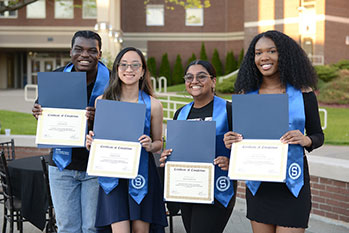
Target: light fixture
(347, 40)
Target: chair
(12, 205)
(9, 149)
(51, 220)
(173, 208)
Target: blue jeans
(74, 197)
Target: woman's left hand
(222, 162)
(146, 142)
(296, 137)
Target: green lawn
(19, 123)
(337, 131)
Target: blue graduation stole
(62, 156)
(138, 187)
(294, 172)
(224, 189)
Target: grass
(19, 123)
(337, 131)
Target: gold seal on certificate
(258, 160)
(114, 158)
(189, 182)
(61, 127)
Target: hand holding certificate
(115, 151)
(62, 96)
(262, 120)
(189, 172)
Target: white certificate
(259, 160)
(114, 158)
(189, 182)
(57, 126)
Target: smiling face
(85, 54)
(201, 87)
(130, 69)
(266, 57)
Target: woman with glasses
(117, 210)
(276, 64)
(200, 81)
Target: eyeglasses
(199, 77)
(134, 66)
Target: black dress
(274, 203)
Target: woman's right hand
(36, 110)
(230, 138)
(164, 156)
(89, 139)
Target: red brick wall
(330, 198)
(24, 152)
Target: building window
(7, 14)
(155, 15)
(89, 9)
(36, 10)
(64, 9)
(194, 17)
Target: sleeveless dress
(118, 205)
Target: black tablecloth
(28, 184)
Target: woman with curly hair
(276, 64)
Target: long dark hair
(113, 91)
(294, 65)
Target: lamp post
(108, 26)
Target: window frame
(83, 14)
(55, 9)
(6, 14)
(200, 24)
(30, 6)
(154, 7)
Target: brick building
(37, 37)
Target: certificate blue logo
(222, 183)
(294, 171)
(138, 182)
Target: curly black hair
(294, 65)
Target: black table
(29, 186)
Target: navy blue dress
(118, 205)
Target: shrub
(165, 69)
(203, 55)
(192, 58)
(227, 86)
(326, 73)
(231, 64)
(178, 72)
(336, 91)
(342, 64)
(151, 63)
(216, 62)
(241, 57)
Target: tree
(15, 5)
(203, 55)
(165, 69)
(151, 63)
(178, 72)
(231, 64)
(192, 58)
(216, 62)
